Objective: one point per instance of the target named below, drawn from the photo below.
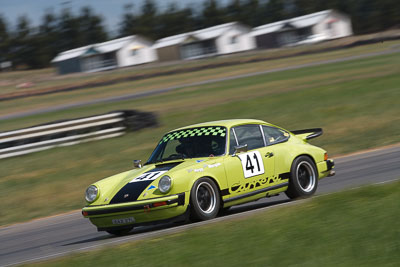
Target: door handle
(269, 154)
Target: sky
(111, 10)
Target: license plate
(123, 220)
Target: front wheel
(303, 180)
(204, 200)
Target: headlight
(91, 193)
(165, 184)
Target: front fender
(214, 170)
(184, 178)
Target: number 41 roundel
(252, 164)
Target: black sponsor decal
(239, 188)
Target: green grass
(356, 103)
(352, 228)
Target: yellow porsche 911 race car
(199, 170)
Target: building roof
(203, 34)
(105, 47)
(299, 22)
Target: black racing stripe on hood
(131, 191)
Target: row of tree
(34, 47)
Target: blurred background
(32, 34)
(166, 64)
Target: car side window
(250, 135)
(232, 142)
(274, 135)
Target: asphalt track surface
(169, 89)
(60, 235)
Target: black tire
(204, 200)
(120, 232)
(303, 180)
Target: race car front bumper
(136, 212)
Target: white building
(217, 40)
(320, 26)
(123, 52)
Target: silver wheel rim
(306, 176)
(206, 197)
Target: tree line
(34, 47)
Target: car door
(277, 147)
(248, 171)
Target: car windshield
(190, 143)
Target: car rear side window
(274, 135)
(250, 135)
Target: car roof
(225, 123)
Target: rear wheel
(204, 200)
(120, 232)
(303, 180)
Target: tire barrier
(73, 131)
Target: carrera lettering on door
(252, 164)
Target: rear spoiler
(308, 134)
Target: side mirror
(239, 149)
(137, 164)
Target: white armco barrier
(71, 132)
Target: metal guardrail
(71, 132)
